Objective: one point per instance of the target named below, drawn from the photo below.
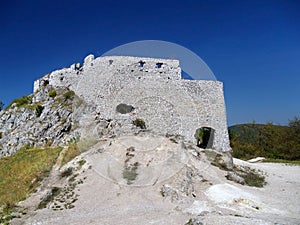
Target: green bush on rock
(52, 93)
(38, 110)
(139, 123)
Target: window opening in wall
(158, 65)
(46, 82)
(141, 63)
(204, 137)
(110, 61)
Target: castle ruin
(124, 88)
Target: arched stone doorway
(204, 137)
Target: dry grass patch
(252, 177)
(21, 173)
(71, 153)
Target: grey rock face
(21, 126)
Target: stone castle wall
(154, 88)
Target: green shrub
(81, 162)
(52, 93)
(69, 94)
(38, 110)
(254, 179)
(139, 123)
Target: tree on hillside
(295, 123)
(294, 138)
(267, 140)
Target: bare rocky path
(177, 187)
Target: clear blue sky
(251, 46)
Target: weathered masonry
(124, 88)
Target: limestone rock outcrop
(23, 125)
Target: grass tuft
(69, 95)
(21, 102)
(252, 177)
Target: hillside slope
(266, 140)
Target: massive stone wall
(154, 87)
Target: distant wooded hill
(266, 140)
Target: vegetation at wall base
(273, 142)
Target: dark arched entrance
(205, 137)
